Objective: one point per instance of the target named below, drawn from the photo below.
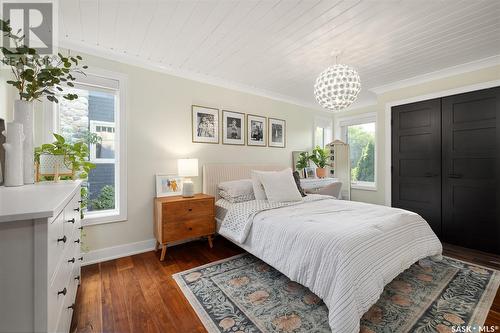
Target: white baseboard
(119, 251)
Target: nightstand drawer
(174, 212)
(197, 227)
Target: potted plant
(319, 157)
(303, 161)
(65, 158)
(35, 76)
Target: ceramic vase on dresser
(13, 154)
(23, 114)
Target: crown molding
(194, 76)
(440, 74)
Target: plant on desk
(319, 157)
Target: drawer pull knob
(72, 260)
(190, 209)
(62, 239)
(72, 306)
(81, 258)
(72, 220)
(77, 209)
(77, 277)
(77, 241)
(80, 228)
(63, 292)
(190, 228)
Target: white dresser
(39, 256)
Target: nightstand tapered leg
(163, 252)
(210, 241)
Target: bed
(343, 251)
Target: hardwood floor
(138, 294)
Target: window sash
(114, 83)
(343, 124)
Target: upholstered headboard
(213, 174)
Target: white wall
(406, 94)
(159, 132)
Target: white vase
(23, 114)
(13, 154)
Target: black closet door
(416, 160)
(471, 144)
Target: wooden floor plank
(138, 294)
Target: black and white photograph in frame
(277, 133)
(205, 123)
(233, 128)
(256, 130)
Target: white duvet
(343, 251)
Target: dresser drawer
(55, 248)
(71, 215)
(68, 302)
(173, 212)
(197, 227)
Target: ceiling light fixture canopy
(338, 86)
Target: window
(96, 118)
(360, 133)
(322, 131)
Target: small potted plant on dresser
(319, 157)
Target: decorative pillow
(258, 188)
(236, 188)
(296, 177)
(236, 199)
(280, 186)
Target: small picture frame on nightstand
(168, 185)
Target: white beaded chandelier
(337, 87)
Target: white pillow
(280, 186)
(236, 199)
(236, 188)
(258, 188)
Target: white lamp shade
(187, 167)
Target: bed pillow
(236, 199)
(280, 186)
(236, 188)
(258, 188)
(296, 177)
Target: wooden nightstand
(177, 218)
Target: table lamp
(187, 167)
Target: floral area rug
(244, 294)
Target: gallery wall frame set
(237, 128)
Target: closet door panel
(470, 170)
(416, 160)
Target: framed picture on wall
(277, 133)
(168, 185)
(205, 124)
(256, 130)
(233, 128)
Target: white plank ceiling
(280, 46)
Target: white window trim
(118, 214)
(326, 124)
(341, 134)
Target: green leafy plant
(75, 155)
(36, 76)
(319, 156)
(303, 161)
(105, 199)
